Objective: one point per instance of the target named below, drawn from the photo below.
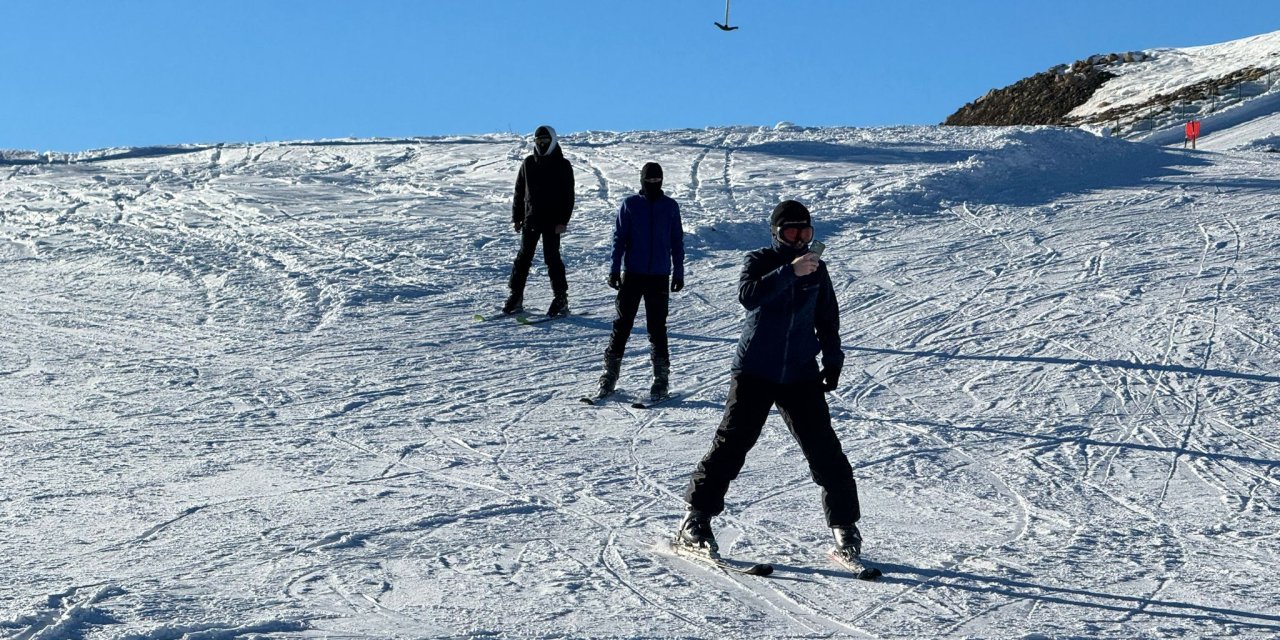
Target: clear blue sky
(96, 73)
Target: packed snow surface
(244, 395)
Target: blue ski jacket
(790, 319)
(648, 237)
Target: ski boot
(559, 305)
(661, 377)
(695, 535)
(848, 542)
(514, 304)
(609, 379)
(848, 552)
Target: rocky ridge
(1045, 98)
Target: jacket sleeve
(569, 193)
(677, 244)
(827, 323)
(621, 236)
(758, 283)
(517, 205)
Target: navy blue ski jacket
(648, 237)
(790, 319)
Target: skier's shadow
(603, 321)
(908, 576)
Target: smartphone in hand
(816, 248)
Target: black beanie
(543, 132)
(789, 211)
(651, 170)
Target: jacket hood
(547, 129)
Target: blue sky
(89, 74)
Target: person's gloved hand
(518, 224)
(677, 284)
(830, 378)
(615, 280)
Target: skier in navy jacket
(648, 248)
(792, 316)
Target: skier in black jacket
(792, 316)
(648, 248)
(541, 210)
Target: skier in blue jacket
(648, 249)
(792, 317)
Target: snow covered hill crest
(243, 395)
(1144, 94)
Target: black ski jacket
(544, 191)
(790, 319)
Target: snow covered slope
(244, 397)
(1235, 119)
(1167, 70)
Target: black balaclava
(787, 212)
(544, 131)
(651, 190)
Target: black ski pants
(655, 291)
(529, 237)
(804, 410)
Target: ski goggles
(542, 141)
(653, 180)
(793, 233)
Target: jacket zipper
(652, 245)
(786, 342)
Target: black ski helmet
(789, 212)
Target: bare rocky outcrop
(1047, 98)
(1044, 98)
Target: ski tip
(587, 400)
(638, 405)
(870, 573)
(759, 570)
(478, 318)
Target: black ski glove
(830, 378)
(677, 284)
(615, 280)
(518, 224)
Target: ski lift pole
(725, 26)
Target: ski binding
(860, 570)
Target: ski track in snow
(244, 395)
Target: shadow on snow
(917, 578)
